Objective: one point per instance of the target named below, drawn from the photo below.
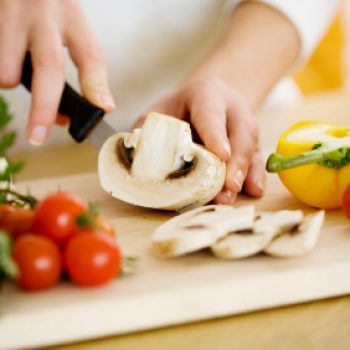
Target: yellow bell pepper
(313, 162)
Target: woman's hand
(43, 27)
(224, 123)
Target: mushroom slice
(159, 166)
(199, 228)
(299, 241)
(246, 243)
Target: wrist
(247, 59)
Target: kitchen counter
(316, 325)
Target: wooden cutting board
(170, 292)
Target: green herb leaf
(8, 267)
(7, 140)
(5, 115)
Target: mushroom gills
(241, 244)
(125, 154)
(299, 241)
(199, 228)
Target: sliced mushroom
(159, 166)
(299, 241)
(246, 243)
(200, 228)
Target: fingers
(225, 197)
(139, 123)
(169, 105)
(255, 181)
(243, 135)
(42, 27)
(13, 41)
(208, 117)
(90, 61)
(246, 164)
(47, 81)
(224, 123)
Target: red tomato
(15, 220)
(62, 120)
(92, 259)
(39, 261)
(98, 224)
(346, 201)
(104, 225)
(55, 216)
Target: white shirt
(152, 45)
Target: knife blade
(86, 119)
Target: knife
(86, 119)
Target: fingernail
(238, 179)
(106, 100)
(228, 196)
(38, 135)
(260, 186)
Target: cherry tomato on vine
(92, 259)
(62, 120)
(104, 225)
(346, 201)
(15, 220)
(38, 260)
(55, 216)
(93, 223)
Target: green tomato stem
(19, 199)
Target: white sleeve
(311, 18)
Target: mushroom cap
(199, 228)
(196, 187)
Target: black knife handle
(83, 115)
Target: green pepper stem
(332, 158)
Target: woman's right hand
(43, 27)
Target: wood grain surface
(317, 325)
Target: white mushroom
(200, 228)
(159, 166)
(250, 242)
(299, 241)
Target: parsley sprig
(7, 140)
(9, 168)
(8, 267)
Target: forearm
(258, 48)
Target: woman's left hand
(223, 121)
